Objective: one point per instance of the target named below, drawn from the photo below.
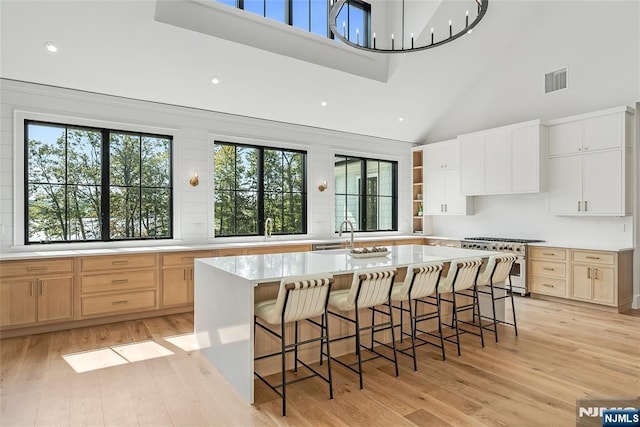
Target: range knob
(518, 249)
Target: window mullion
(261, 214)
(105, 203)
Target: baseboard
(636, 302)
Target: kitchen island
(225, 291)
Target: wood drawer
(547, 253)
(548, 286)
(116, 303)
(35, 268)
(117, 262)
(549, 269)
(123, 281)
(591, 257)
(184, 258)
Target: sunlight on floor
(187, 342)
(117, 355)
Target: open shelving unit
(417, 191)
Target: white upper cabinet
(442, 180)
(590, 164)
(504, 160)
(442, 156)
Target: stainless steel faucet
(268, 228)
(350, 224)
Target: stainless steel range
(514, 246)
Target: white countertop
(38, 251)
(597, 246)
(273, 267)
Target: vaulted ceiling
(492, 77)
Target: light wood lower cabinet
(36, 292)
(548, 271)
(177, 277)
(597, 277)
(117, 284)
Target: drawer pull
(592, 257)
(548, 268)
(115, 282)
(125, 262)
(548, 253)
(36, 268)
(589, 273)
(548, 286)
(119, 302)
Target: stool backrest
(371, 287)
(462, 275)
(303, 297)
(500, 267)
(421, 280)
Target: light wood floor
(562, 353)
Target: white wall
(194, 131)
(527, 216)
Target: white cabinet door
(602, 183)
(451, 154)
(434, 156)
(472, 164)
(434, 193)
(496, 161)
(455, 203)
(441, 156)
(603, 132)
(565, 138)
(525, 160)
(565, 185)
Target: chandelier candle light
(416, 45)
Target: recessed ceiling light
(323, 103)
(51, 47)
(215, 80)
(400, 119)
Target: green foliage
(237, 190)
(64, 174)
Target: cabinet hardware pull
(586, 206)
(548, 268)
(588, 272)
(41, 283)
(445, 207)
(578, 205)
(119, 262)
(115, 282)
(36, 268)
(32, 289)
(184, 274)
(595, 273)
(548, 286)
(124, 301)
(592, 257)
(548, 253)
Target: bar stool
(299, 298)
(419, 286)
(461, 281)
(369, 289)
(494, 278)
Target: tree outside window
(88, 184)
(255, 183)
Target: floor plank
(562, 353)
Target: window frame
(104, 184)
(261, 217)
(363, 192)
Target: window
(255, 183)
(366, 193)
(312, 15)
(91, 184)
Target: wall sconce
(194, 181)
(322, 186)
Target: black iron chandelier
(403, 43)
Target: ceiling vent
(555, 80)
